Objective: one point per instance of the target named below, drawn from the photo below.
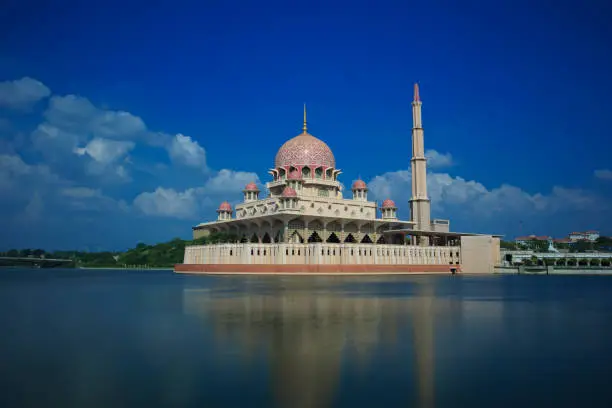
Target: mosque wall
(321, 254)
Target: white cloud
(14, 172)
(167, 202)
(89, 199)
(22, 93)
(105, 151)
(229, 182)
(436, 160)
(450, 194)
(75, 114)
(195, 203)
(184, 150)
(603, 174)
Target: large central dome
(305, 150)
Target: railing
(321, 253)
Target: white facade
(322, 254)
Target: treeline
(166, 254)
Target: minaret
(420, 211)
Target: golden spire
(305, 128)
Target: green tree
(581, 246)
(512, 246)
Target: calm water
(147, 339)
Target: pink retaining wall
(311, 268)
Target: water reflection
(310, 330)
(100, 339)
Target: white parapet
(322, 253)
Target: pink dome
(294, 175)
(388, 204)
(225, 206)
(359, 185)
(304, 149)
(289, 192)
(251, 187)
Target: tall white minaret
(420, 211)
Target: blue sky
(131, 121)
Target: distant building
(562, 241)
(533, 241)
(531, 238)
(590, 236)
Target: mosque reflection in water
(318, 334)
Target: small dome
(289, 192)
(251, 187)
(225, 206)
(294, 175)
(359, 185)
(388, 204)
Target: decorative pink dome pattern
(251, 187)
(388, 204)
(225, 206)
(359, 185)
(294, 175)
(304, 150)
(288, 192)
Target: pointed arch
(366, 239)
(333, 238)
(254, 239)
(266, 238)
(381, 240)
(350, 239)
(314, 237)
(296, 238)
(244, 239)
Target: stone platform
(314, 269)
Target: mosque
(306, 225)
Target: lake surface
(93, 338)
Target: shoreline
(164, 268)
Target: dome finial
(304, 128)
